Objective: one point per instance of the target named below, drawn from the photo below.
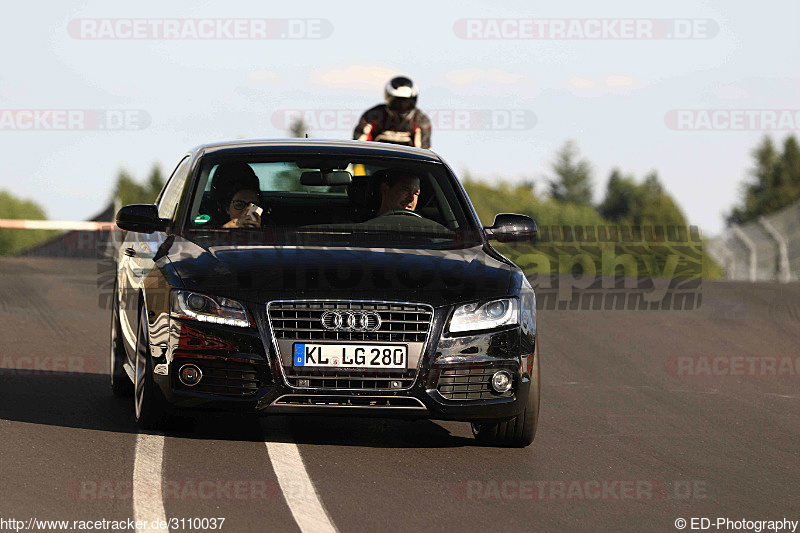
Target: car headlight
(214, 310)
(487, 315)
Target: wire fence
(764, 250)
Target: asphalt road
(646, 417)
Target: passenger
(237, 209)
(235, 186)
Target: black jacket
(380, 124)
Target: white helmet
(400, 91)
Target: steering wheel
(402, 212)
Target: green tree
(129, 191)
(653, 206)
(620, 196)
(774, 183)
(298, 128)
(504, 197)
(788, 172)
(573, 176)
(642, 204)
(645, 204)
(155, 182)
(15, 240)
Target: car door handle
(130, 252)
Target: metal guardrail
(764, 250)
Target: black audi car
(307, 276)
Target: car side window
(168, 201)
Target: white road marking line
(296, 485)
(789, 396)
(148, 502)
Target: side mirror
(512, 228)
(326, 177)
(141, 218)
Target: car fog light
(190, 375)
(501, 381)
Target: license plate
(350, 355)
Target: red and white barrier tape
(67, 225)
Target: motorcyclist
(398, 121)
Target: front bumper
(251, 354)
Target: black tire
(519, 431)
(121, 384)
(149, 407)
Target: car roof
(316, 146)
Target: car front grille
(224, 376)
(343, 379)
(471, 383)
(301, 321)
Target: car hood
(264, 273)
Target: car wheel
(121, 384)
(519, 431)
(149, 405)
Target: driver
(399, 190)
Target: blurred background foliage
(567, 201)
(15, 240)
(774, 181)
(129, 191)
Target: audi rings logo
(351, 320)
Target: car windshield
(305, 200)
